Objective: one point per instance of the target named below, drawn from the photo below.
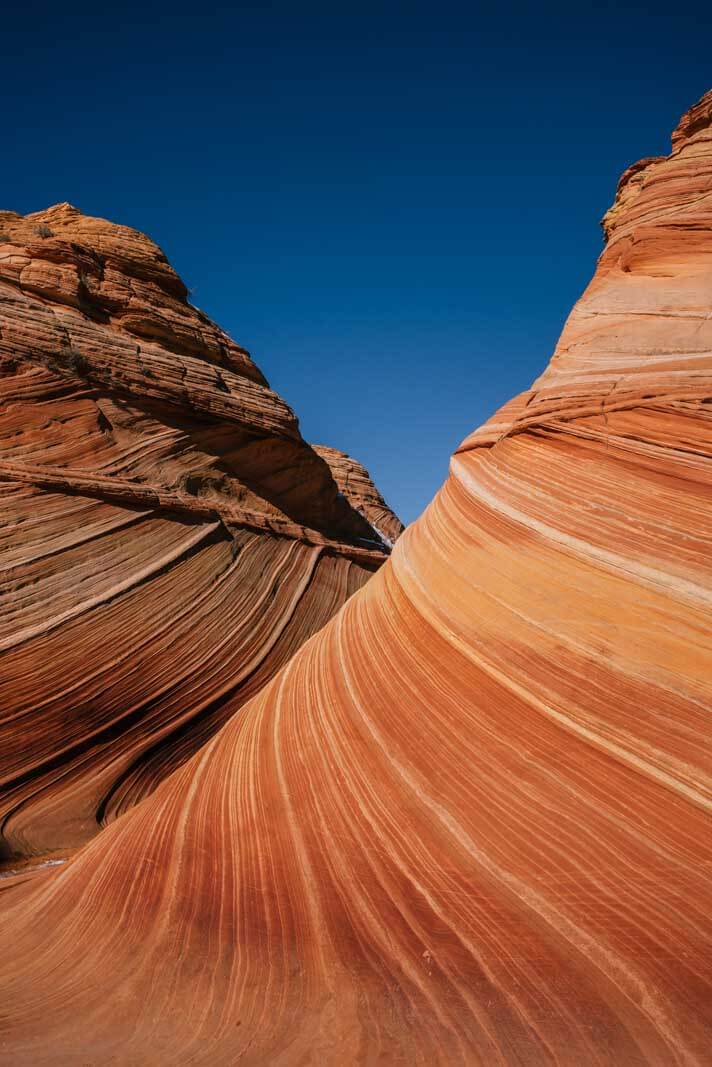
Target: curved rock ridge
(98, 339)
(641, 334)
(168, 537)
(355, 483)
(469, 821)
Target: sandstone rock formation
(469, 822)
(168, 538)
(355, 483)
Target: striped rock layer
(168, 539)
(469, 821)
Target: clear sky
(392, 205)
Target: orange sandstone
(169, 540)
(469, 821)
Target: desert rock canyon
(271, 793)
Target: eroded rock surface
(168, 538)
(355, 483)
(469, 822)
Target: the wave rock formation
(469, 821)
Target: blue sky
(393, 206)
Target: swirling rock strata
(469, 821)
(168, 538)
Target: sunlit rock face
(468, 823)
(168, 539)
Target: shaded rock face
(468, 823)
(355, 483)
(168, 538)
